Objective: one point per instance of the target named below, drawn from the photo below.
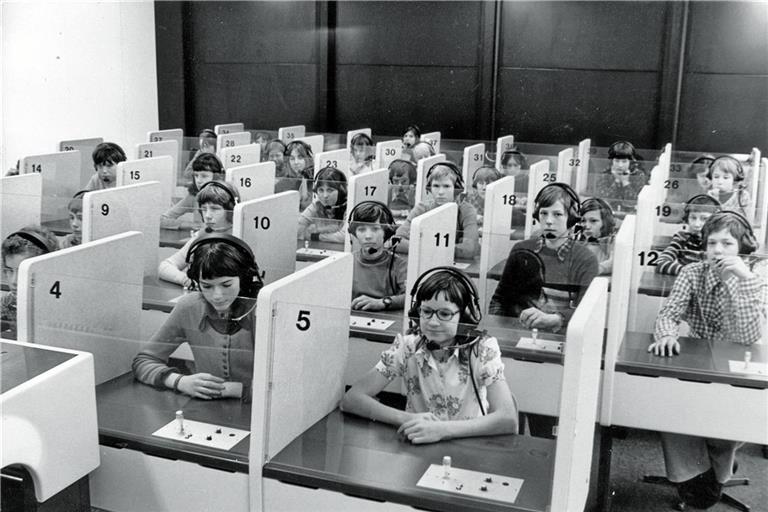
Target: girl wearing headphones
(323, 220)
(216, 200)
(361, 153)
(411, 136)
(482, 177)
(300, 167)
(217, 321)
(453, 375)
(723, 299)
(598, 229)
(206, 144)
(26, 243)
(623, 179)
(206, 167)
(727, 177)
(445, 185)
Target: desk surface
(175, 238)
(699, 360)
(19, 364)
(129, 412)
(352, 455)
(655, 285)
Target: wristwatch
(387, 302)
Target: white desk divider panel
(129, 208)
(162, 148)
(176, 134)
(505, 143)
(495, 243)
(578, 399)
(618, 310)
(223, 129)
(565, 165)
(433, 139)
(290, 133)
(474, 158)
(422, 167)
(49, 423)
(230, 140)
(86, 298)
(752, 186)
(61, 179)
(582, 166)
(646, 222)
(22, 199)
(338, 158)
(299, 358)
(762, 214)
(268, 225)
(538, 177)
(351, 134)
(157, 168)
(241, 155)
(431, 244)
(388, 151)
(369, 186)
(253, 181)
(316, 142)
(85, 147)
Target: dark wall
(543, 71)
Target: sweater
(372, 278)
(467, 237)
(684, 248)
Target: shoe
(701, 491)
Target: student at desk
(402, 187)
(624, 178)
(323, 220)
(361, 154)
(411, 136)
(206, 167)
(724, 299)
(105, 157)
(453, 374)
(218, 320)
(379, 273)
(216, 200)
(207, 144)
(75, 211)
(727, 177)
(300, 167)
(686, 247)
(598, 230)
(482, 177)
(445, 185)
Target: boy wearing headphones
(217, 321)
(598, 228)
(570, 267)
(723, 299)
(686, 247)
(204, 168)
(75, 210)
(727, 177)
(217, 200)
(482, 177)
(445, 185)
(105, 156)
(453, 374)
(402, 187)
(379, 273)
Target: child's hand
(666, 346)
(367, 303)
(534, 317)
(202, 385)
(422, 428)
(731, 265)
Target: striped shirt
(732, 310)
(684, 248)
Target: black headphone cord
(392, 284)
(474, 384)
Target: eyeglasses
(442, 314)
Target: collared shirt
(731, 310)
(441, 385)
(561, 252)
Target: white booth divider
(252, 181)
(129, 208)
(761, 218)
(431, 244)
(338, 158)
(85, 147)
(388, 151)
(351, 134)
(369, 186)
(223, 129)
(288, 134)
(752, 187)
(268, 225)
(162, 148)
(159, 168)
(649, 203)
(505, 143)
(565, 165)
(176, 134)
(578, 399)
(231, 140)
(495, 243)
(422, 167)
(474, 158)
(316, 142)
(299, 358)
(61, 179)
(241, 155)
(538, 177)
(582, 166)
(433, 139)
(22, 200)
(77, 299)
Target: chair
(725, 498)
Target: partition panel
(252, 181)
(22, 199)
(422, 167)
(223, 129)
(85, 147)
(388, 151)
(160, 168)
(61, 179)
(241, 155)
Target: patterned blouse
(441, 385)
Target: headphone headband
(496, 173)
(254, 280)
(34, 238)
(750, 244)
(220, 185)
(573, 211)
(739, 168)
(474, 310)
(458, 184)
(389, 221)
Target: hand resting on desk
(666, 346)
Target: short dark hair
(549, 195)
(402, 167)
(606, 214)
(622, 149)
(736, 224)
(416, 131)
(108, 153)
(369, 212)
(517, 156)
(454, 289)
(205, 162)
(14, 244)
(221, 259)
